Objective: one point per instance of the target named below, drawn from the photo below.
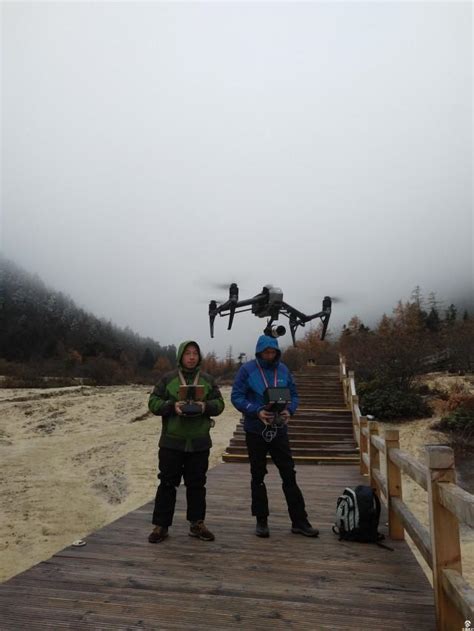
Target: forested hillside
(46, 331)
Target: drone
(268, 304)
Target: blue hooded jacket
(249, 386)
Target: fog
(153, 151)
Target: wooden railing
(448, 506)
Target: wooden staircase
(321, 430)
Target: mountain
(39, 324)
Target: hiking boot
(158, 534)
(198, 529)
(261, 529)
(305, 528)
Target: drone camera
(275, 331)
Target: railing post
(350, 380)
(444, 529)
(374, 456)
(342, 367)
(363, 445)
(344, 389)
(394, 484)
(356, 429)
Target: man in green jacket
(185, 441)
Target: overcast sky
(150, 150)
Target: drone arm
(232, 305)
(298, 318)
(324, 316)
(291, 311)
(250, 301)
(229, 305)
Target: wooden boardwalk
(119, 581)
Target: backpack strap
(377, 504)
(380, 536)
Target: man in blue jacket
(264, 436)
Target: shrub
(459, 422)
(389, 402)
(103, 371)
(459, 397)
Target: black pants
(279, 449)
(173, 465)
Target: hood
(266, 341)
(182, 348)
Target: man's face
(190, 357)
(268, 354)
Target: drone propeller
(222, 286)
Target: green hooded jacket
(183, 433)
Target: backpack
(357, 516)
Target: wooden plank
(460, 592)
(378, 442)
(458, 501)
(366, 460)
(409, 465)
(120, 581)
(414, 528)
(394, 485)
(381, 481)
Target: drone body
(268, 304)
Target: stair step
(333, 410)
(316, 428)
(314, 413)
(296, 442)
(312, 387)
(336, 460)
(308, 399)
(328, 404)
(295, 437)
(342, 411)
(321, 387)
(305, 451)
(311, 421)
